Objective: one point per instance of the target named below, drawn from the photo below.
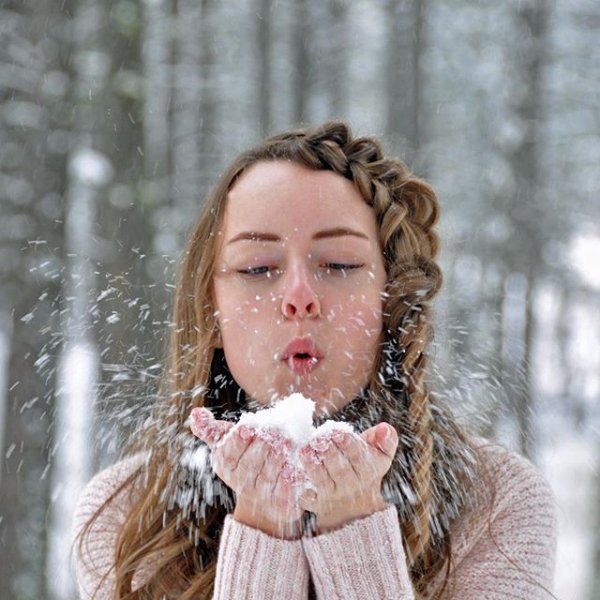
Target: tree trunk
(301, 83)
(30, 245)
(5, 346)
(564, 330)
(156, 64)
(402, 74)
(210, 152)
(529, 55)
(336, 67)
(264, 82)
(186, 116)
(595, 584)
(89, 174)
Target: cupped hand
(346, 471)
(255, 466)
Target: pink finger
(293, 474)
(354, 449)
(201, 422)
(204, 426)
(321, 444)
(382, 437)
(271, 436)
(310, 457)
(337, 464)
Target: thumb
(383, 437)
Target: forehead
(286, 197)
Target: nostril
(290, 310)
(293, 309)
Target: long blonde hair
(182, 534)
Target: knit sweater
(502, 546)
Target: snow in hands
(288, 424)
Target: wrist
(350, 512)
(280, 526)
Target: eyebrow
(260, 236)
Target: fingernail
(305, 451)
(338, 436)
(199, 429)
(320, 444)
(282, 448)
(385, 433)
(344, 439)
(201, 414)
(195, 417)
(245, 433)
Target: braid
(407, 211)
(410, 332)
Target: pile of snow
(293, 418)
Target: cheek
(365, 312)
(237, 315)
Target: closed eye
(259, 272)
(341, 268)
(254, 271)
(332, 268)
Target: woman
(311, 270)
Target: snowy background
(115, 118)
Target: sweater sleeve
(508, 551)
(95, 551)
(363, 559)
(252, 564)
(503, 547)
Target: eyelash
(265, 271)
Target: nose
(300, 299)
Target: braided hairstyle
(176, 516)
(435, 459)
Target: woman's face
(298, 285)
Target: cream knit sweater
(503, 547)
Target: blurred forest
(116, 116)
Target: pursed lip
(302, 355)
(302, 346)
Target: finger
(294, 474)
(383, 438)
(275, 438)
(219, 432)
(312, 463)
(201, 421)
(285, 478)
(229, 453)
(337, 465)
(251, 463)
(205, 427)
(355, 451)
(272, 469)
